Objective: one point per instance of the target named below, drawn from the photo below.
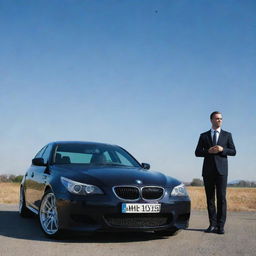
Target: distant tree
(243, 183)
(197, 182)
(11, 178)
(18, 179)
(253, 184)
(3, 178)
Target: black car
(85, 186)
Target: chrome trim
(140, 193)
(123, 199)
(21, 202)
(153, 187)
(33, 210)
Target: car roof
(81, 142)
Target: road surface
(20, 236)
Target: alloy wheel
(48, 214)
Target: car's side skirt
(32, 210)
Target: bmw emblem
(138, 181)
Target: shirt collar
(218, 130)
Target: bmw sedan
(86, 186)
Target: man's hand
(215, 149)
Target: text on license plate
(141, 208)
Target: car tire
(168, 232)
(23, 210)
(48, 215)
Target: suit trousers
(215, 183)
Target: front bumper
(101, 213)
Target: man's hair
(214, 113)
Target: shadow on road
(12, 225)
(195, 229)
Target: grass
(9, 193)
(238, 199)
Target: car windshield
(93, 154)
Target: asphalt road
(20, 236)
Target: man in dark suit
(215, 145)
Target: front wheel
(48, 215)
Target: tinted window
(40, 153)
(46, 153)
(123, 159)
(93, 154)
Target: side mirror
(145, 166)
(38, 161)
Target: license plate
(141, 208)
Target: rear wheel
(23, 210)
(48, 215)
(168, 232)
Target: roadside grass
(9, 193)
(238, 199)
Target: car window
(72, 157)
(40, 153)
(93, 154)
(107, 156)
(46, 153)
(123, 160)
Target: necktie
(214, 139)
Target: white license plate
(141, 208)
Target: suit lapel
(209, 137)
(221, 136)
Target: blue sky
(141, 74)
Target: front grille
(152, 193)
(127, 193)
(138, 220)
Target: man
(215, 145)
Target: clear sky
(142, 74)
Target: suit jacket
(215, 161)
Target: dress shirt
(217, 134)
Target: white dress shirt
(217, 134)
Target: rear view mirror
(145, 166)
(38, 161)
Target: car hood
(112, 176)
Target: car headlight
(179, 190)
(78, 188)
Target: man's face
(216, 121)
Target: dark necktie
(214, 139)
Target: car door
(41, 177)
(30, 183)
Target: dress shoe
(220, 231)
(210, 229)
